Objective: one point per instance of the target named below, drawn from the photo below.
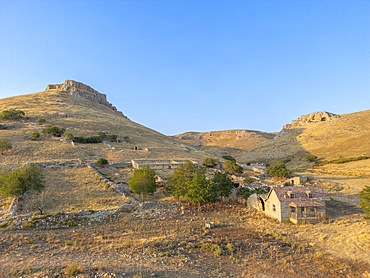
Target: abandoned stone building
(297, 204)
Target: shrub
(364, 196)
(210, 162)
(12, 114)
(2, 127)
(54, 130)
(5, 145)
(35, 135)
(68, 135)
(40, 121)
(311, 158)
(101, 162)
(73, 269)
(229, 157)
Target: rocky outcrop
(82, 91)
(312, 118)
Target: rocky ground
(167, 241)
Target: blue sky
(177, 66)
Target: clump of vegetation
(5, 145)
(245, 192)
(278, 170)
(101, 162)
(54, 130)
(342, 160)
(68, 135)
(210, 162)
(35, 135)
(17, 182)
(311, 158)
(40, 121)
(248, 180)
(2, 127)
(222, 184)
(143, 182)
(12, 114)
(99, 138)
(232, 168)
(364, 196)
(229, 157)
(73, 269)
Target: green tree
(5, 145)
(232, 168)
(12, 114)
(278, 170)
(364, 196)
(200, 190)
(222, 184)
(177, 183)
(143, 182)
(17, 182)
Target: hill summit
(81, 91)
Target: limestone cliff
(82, 91)
(312, 118)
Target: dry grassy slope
(231, 142)
(84, 118)
(346, 136)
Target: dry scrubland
(81, 118)
(243, 244)
(161, 241)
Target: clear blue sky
(177, 66)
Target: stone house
(297, 204)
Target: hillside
(324, 135)
(226, 142)
(82, 111)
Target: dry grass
(243, 244)
(73, 189)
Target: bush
(5, 145)
(35, 135)
(278, 170)
(2, 127)
(210, 162)
(40, 121)
(364, 196)
(68, 135)
(12, 114)
(73, 269)
(101, 162)
(229, 157)
(54, 130)
(248, 180)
